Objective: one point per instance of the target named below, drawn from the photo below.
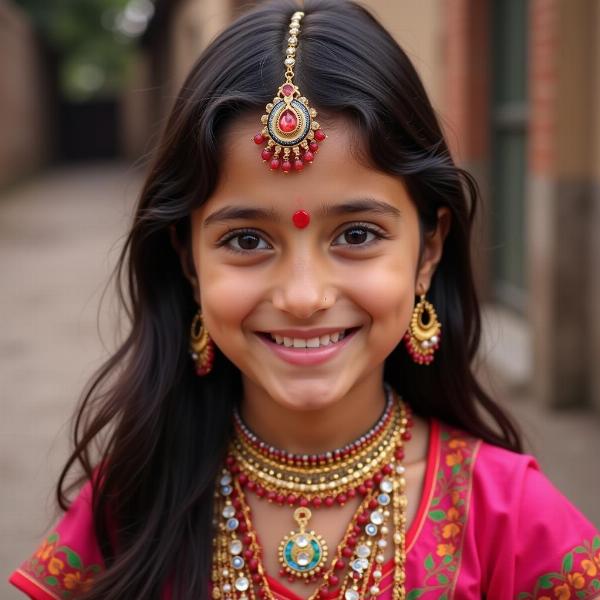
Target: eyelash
(236, 233)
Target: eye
(358, 235)
(244, 241)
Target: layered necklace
(369, 468)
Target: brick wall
(22, 113)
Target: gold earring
(202, 348)
(423, 338)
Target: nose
(304, 288)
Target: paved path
(59, 236)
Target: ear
(433, 246)
(187, 262)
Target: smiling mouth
(328, 339)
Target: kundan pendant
(302, 553)
(290, 130)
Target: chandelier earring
(202, 348)
(424, 333)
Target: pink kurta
(489, 525)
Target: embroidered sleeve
(558, 550)
(578, 575)
(67, 560)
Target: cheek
(228, 296)
(386, 291)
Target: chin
(308, 394)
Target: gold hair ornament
(289, 126)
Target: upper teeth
(315, 342)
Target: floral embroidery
(59, 569)
(449, 512)
(579, 577)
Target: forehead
(336, 173)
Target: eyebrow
(359, 205)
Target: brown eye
(248, 241)
(245, 241)
(356, 235)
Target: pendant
(302, 553)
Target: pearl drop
(374, 590)
(377, 574)
(379, 558)
(382, 543)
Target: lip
(307, 356)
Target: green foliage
(93, 53)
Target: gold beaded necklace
(299, 482)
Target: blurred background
(84, 89)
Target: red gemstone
(301, 219)
(387, 469)
(274, 164)
(339, 564)
(266, 154)
(248, 554)
(303, 501)
(329, 501)
(406, 435)
(352, 541)
(377, 477)
(259, 138)
(243, 479)
(313, 146)
(286, 166)
(316, 502)
(333, 580)
(230, 460)
(288, 121)
(287, 89)
(351, 493)
(280, 499)
(298, 165)
(362, 519)
(320, 135)
(291, 499)
(347, 552)
(260, 490)
(252, 485)
(256, 578)
(362, 489)
(308, 156)
(342, 499)
(271, 496)
(253, 565)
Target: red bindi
(301, 219)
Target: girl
(319, 432)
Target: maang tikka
(290, 129)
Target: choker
(370, 468)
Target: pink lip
(306, 356)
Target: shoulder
(530, 541)
(67, 559)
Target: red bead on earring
(301, 219)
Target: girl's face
(308, 313)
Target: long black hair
(149, 433)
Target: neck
(314, 430)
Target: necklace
(370, 467)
